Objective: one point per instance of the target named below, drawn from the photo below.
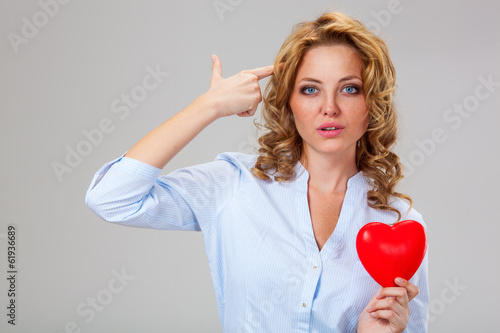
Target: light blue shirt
(268, 273)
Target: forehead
(332, 61)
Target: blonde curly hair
(281, 145)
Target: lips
(330, 130)
(330, 126)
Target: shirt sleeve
(133, 193)
(419, 306)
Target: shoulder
(245, 162)
(227, 168)
(407, 213)
(400, 204)
(240, 161)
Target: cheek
(365, 121)
(362, 113)
(363, 124)
(359, 118)
(295, 102)
(299, 109)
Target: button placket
(310, 284)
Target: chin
(337, 149)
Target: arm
(132, 192)
(239, 94)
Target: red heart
(387, 251)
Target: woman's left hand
(388, 311)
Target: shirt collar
(302, 174)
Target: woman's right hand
(239, 94)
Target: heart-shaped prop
(387, 251)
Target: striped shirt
(267, 271)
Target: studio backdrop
(83, 81)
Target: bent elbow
(107, 210)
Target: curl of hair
(281, 145)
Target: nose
(330, 106)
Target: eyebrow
(341, 80)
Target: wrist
(207, 106)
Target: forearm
(239, 94)
(159, 146)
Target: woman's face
(328, 102)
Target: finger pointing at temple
(239, 94)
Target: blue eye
(351, 89)
(309, 90)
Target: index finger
(411, 289)
(398, 293)
(262, 72)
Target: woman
(280, 228)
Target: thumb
(216, 70)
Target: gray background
(63, 81)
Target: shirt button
(303, 305)
(314, 267)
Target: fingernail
(399, 280)
(213, 58)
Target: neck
(329, 173)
